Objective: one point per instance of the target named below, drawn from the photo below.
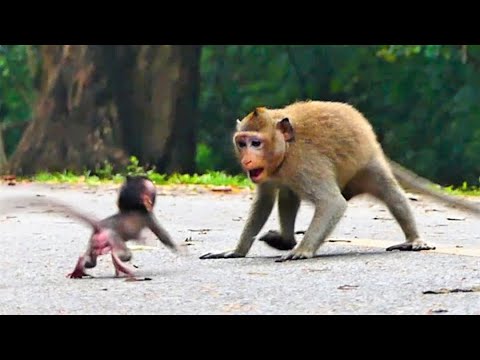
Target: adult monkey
(325, 153)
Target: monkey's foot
(277, 241)
(296, 255)
(224, 255)
(416, 245)
(120, 267)
(78, 274)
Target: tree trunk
(160, 118)
(106, 102)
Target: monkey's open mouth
(255, 173)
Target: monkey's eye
(241, 144)
(256, 143)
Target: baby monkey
(136, 200)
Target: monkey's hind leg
(120, 266)
(330, 206)
(120, 254)
(385, 187)
(288, 205)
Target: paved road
(351, 276)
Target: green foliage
(16, 89)
(206, 158)
(423, 101)
(464, 189)
(60, 177)
(106, 175)
(424, 107)
(217, 178)
(237, 78)
(104, 172)
(133, 168)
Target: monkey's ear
(147, 202)
(286, 129)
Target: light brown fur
(325, 153)
(331, 132)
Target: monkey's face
(258, 154)
(261, 144)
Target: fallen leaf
(222, 189)
(437, 311)
(137, 279)
(347, 287)
(450, 291)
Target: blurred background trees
(175, 106)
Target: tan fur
(329, 132)
(325, 153)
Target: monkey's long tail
(59, 206)
(410, 180)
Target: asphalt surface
(352, 275)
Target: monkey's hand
(78, 274)
(417, 245)
(79, 271)
(232, 254)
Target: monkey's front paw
(296, 255)
(416, 245)
(224, 255)
(277, 241)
